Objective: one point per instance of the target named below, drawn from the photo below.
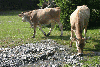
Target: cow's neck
(30, 22)
(78, 33)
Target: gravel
(47, 53)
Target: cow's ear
(29, 14)
(84, 39)
(20, 15)
(22, 12)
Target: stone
(46, 52)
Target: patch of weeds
(91, 61)
(67, 65)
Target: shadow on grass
(58, 37)
(96, 47)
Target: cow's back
(83, 13)
(44, 15)
(73, 18)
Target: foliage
(18, 4)
(91, 61)
(94, 19)
(66, 10)
(40, 4)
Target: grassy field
(15, 32)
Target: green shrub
(66, 10)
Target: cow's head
(25, 16)
(80, 43)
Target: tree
(18, 4)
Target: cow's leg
(72, 36)
(34, 31)
(61, 28)
(42, 30)
(52, 26)
(31, 25)
(85, 30)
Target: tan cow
(43, 16)
(79, 20)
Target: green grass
(15, 32)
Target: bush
(94, 19)
(18, 4)
(66, 9)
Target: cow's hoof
(61, 35)
(80, 54)
(44, 34)
(33, 36)
(86, 42)
(48, 34)
(70, 45)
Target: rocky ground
(47, 53)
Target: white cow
(79, 20)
